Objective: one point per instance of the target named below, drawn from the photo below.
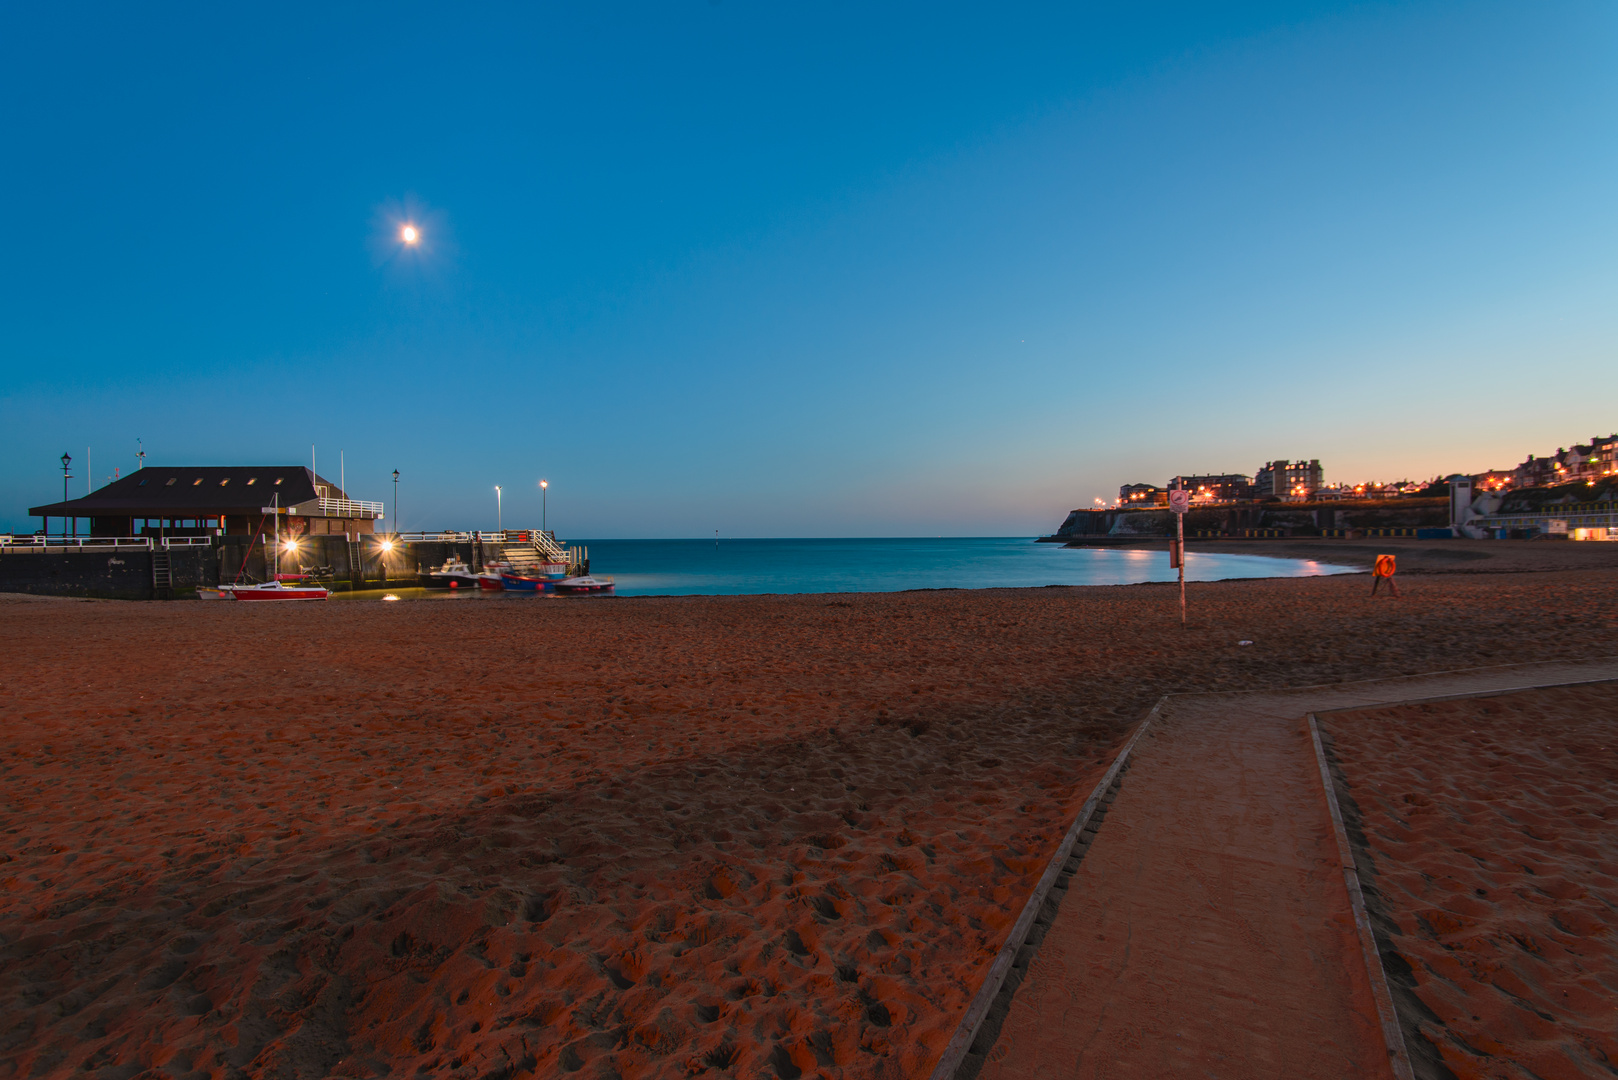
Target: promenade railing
(37, 544)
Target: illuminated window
(225, 481)
(278, 481)
(197, 481)
(171, 481)
(251, 480)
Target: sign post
(1179, 502)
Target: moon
(409, 234)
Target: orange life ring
(1384, 566)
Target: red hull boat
(277, 590)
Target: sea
(735, 567)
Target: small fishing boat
(490, 578)
(277, 590)
(454, 574)
(521, 583)
(584, 586)
(206, 593)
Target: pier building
(213, 500)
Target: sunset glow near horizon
(720, 267)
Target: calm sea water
(693, 567)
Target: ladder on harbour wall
(356, 565)
(162, 573)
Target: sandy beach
(1488, 825)
(635, 837)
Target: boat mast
(275, 573)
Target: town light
(387, 545)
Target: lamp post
(396, 502)
(544, 492)
(499, 516)
(67, 461)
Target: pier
(154, 567)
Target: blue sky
(804, 270)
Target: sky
(802, 269)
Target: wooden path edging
(967, 1031)
(977, 1012)
(1392, 1033)
(1387, 1013)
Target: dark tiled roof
(187, 492)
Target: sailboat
(275, 589)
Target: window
(225, 481)
(196, 482)
(251, 480)
(171, 481)
(141, 484)
(278, 480)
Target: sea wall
(115, 575)
(127, 573)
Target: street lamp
(396, 501)
(544, 491)
(499, 516)
(66, 461)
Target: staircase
(162, 572)
(525, 558)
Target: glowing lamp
(409, 235)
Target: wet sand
(1420, 557)
(1493, 876)
(738, 835)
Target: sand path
(1209, 931)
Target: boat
(277, 590)
(490, 578)
(454, 574)
(585, 586)
(206, 593)
(513, 582)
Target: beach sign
(1179, 502)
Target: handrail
(351, 508)
(536, 537)
(36, 541)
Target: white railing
(20, 544)
(37, 543)
(350, 508)
(542, 540)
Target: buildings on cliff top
(1300, 481)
